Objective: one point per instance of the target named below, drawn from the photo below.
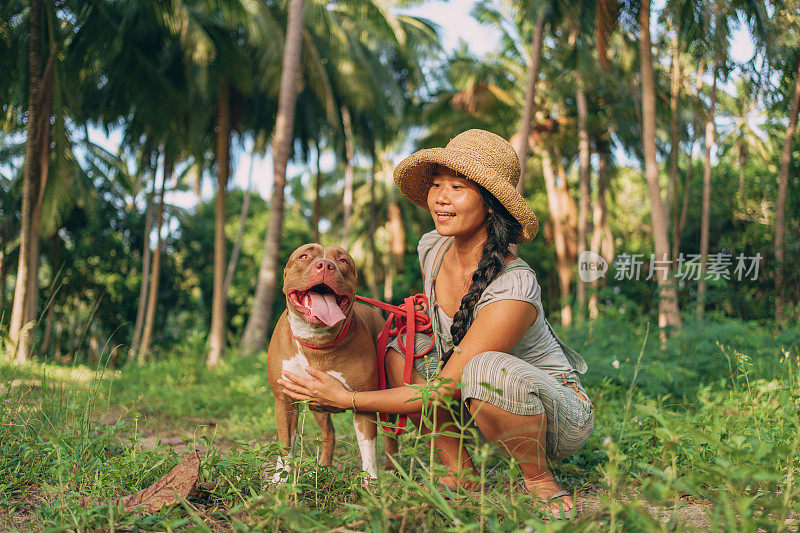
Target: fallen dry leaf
(178, 482)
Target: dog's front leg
(328, 437)
(286, 420)
(366, 434)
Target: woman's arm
(324, 389)
(497, 327)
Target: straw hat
(481, 156)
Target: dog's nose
(324, 264)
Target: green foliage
(692, 358)
(191, 290)
(726, 440)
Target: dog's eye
(343, 260)
(303, 256)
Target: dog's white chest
(298, 362)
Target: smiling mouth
(442, 215)
(320, 302)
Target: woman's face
(455, 203)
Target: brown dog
(322, 327)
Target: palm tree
(534, 61)
(216, 336)
(559, 219)
(158, 111)
(352, 84)
(258, 147)
(710, 135)
(522, 29)
(602, 242)
(783, 182)
(584, 163)
(254, 338)
(34, 181)
(155, 274)
(674, 130)
(741, 137)
(716, 17)
(668, 312)
(146, 161)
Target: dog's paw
(283, 469)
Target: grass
(701, 435)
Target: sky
(455, 24)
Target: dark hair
(502, 230)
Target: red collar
(336, 341)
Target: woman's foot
(466, 484)
(545, 487)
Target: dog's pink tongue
(325, 308)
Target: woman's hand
(322, 388)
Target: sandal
(558, 514)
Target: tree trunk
(146, 260)
(155, 275)
(59, 334)
(94, 347)
(534, 61)
(393, 261)
(599, 222)
(216, 337)
(255, 333)
(780, 204)
(48, 328)
(674, 145)
(742, 165)
(668, 313)
(563, 266)
(3, 271)
(372, 279)
(317, 198)
(676, 235)
(396, 232)
(17, 332)
(141, 171)
(43, 143)
(706, 212)
(48, 331)
(72, 336)
(568, 209)
(680, 222)
(348, 177)
(584, 162)
(197, 178)
(237, 245)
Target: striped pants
(519, 387)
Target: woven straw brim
(414, 177)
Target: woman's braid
(502, 229)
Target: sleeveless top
(539, 345)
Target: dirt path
(690, 513)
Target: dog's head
(320, 284)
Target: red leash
(403, 319)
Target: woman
(534, 405)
